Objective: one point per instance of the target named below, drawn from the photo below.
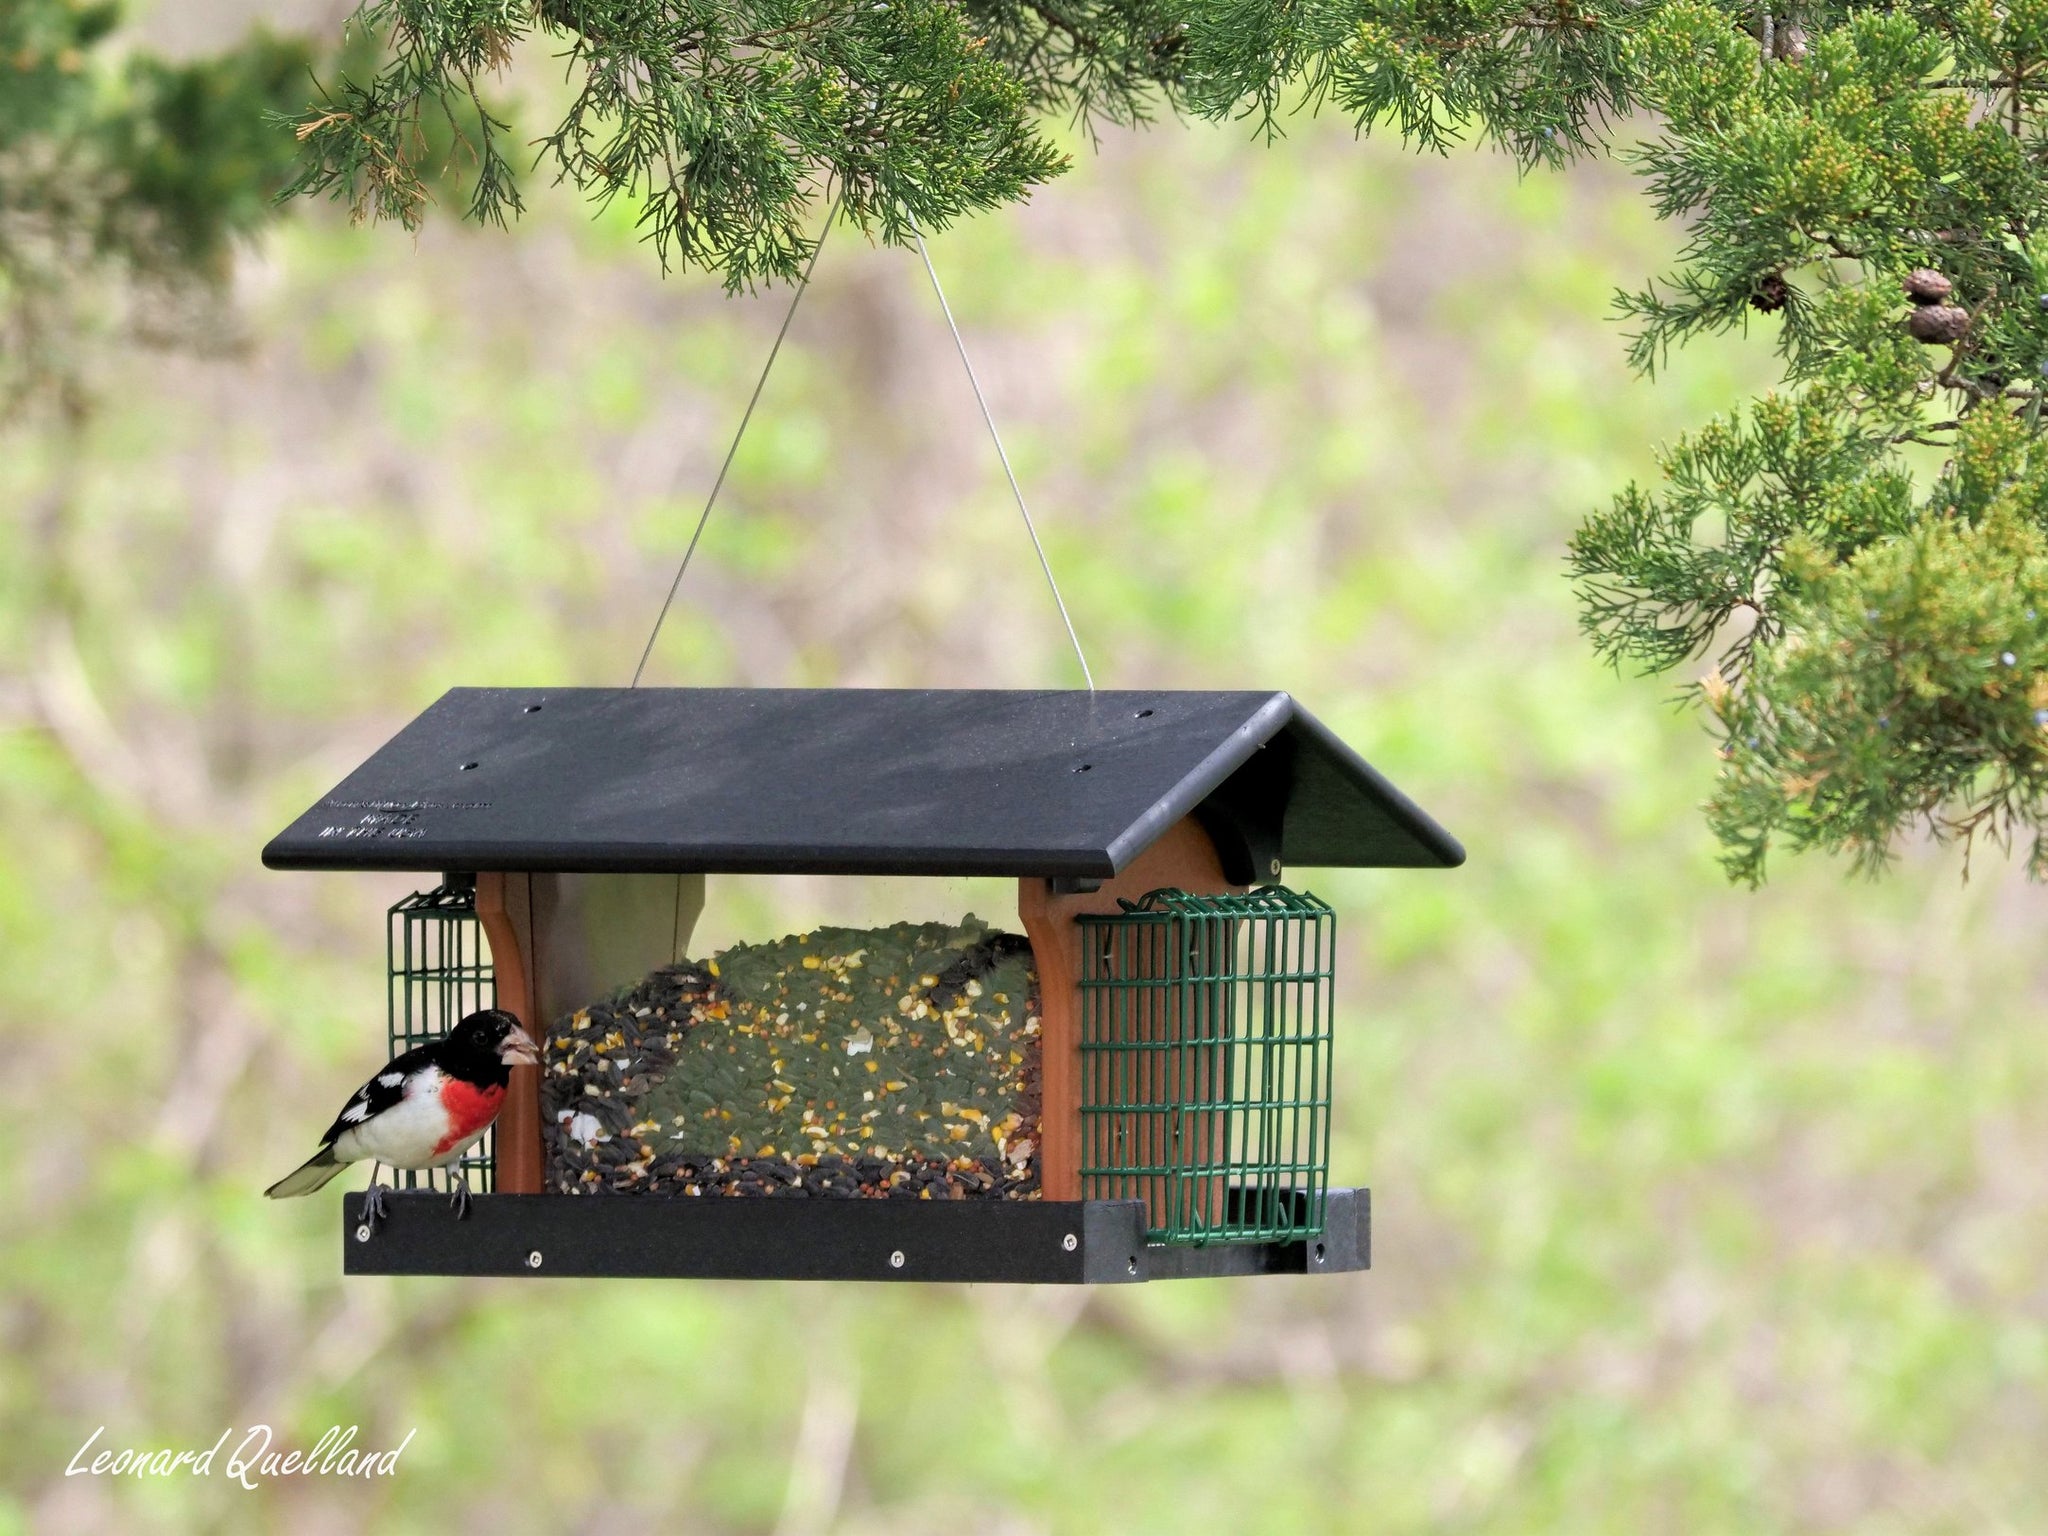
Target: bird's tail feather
(308, 1176)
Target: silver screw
(533, 1259)
(363, 1233)
(1133, 1265)
(1273, 869)
(896, 1259)
(1070, 1242)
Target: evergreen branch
(722, 122)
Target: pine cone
(1770, 293)
(1937, 324)
(1924, 285)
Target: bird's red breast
(469, 1109)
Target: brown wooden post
(1184, 859)
(504, 905)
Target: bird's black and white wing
(381, 1093)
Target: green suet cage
(440, 973)
(1205, 1062)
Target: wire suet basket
(1205, 1062)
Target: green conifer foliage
(1861, 551)
(724, 120)
(1858, 553)
(120, 175)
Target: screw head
(896, 1259)
(1273, 869)
(533, 1259)
(1132, 1264)
(363, 1233)
(1070, 1242)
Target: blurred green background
(1696, 1210)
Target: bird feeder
(1180, 1031)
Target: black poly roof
(856, 781)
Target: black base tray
(1026, 1242)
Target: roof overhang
(857, 782)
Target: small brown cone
(1938, 324)
(1924, 285)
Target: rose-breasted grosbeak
(424, 1110)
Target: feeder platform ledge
(1024, 1242)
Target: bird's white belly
(406, 1134)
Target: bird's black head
(495, 1036)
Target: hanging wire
(731, 452)
(960, 344)
(1016, 490)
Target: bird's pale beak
(518, 1050)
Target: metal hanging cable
(960, 344)
(996, 437)
(731, 452)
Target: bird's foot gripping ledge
(1028, 1242)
